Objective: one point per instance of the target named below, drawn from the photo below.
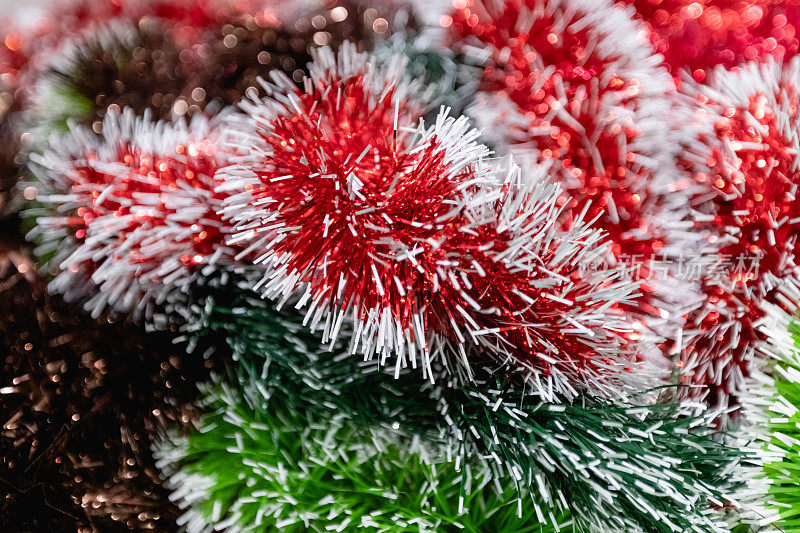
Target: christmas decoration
(133, 213)
(780, 419)
(750, 170)
(572, 83)
(489, 265)
(359, 216)
(375, 479)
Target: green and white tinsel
(776, 412)
(299, 435)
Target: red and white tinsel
(750, 215)
(136, 209)
(417, 237)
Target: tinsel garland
(587, 97)
(784, 444)
(569, 84)
(433, 249)
(663, 471)
(747, 163)
(131, 215)
(775, 406)
(254, 465)
(392, 327)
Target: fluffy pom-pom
(413, 235)
(132, 213)
(573, 82)
(751, 216)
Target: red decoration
(754, 218)
(413, 235)
(139, 207)
(573, 83)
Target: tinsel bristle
(400, 265)
(331, 473)
(495, 438)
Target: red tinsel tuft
(574, 84)
(135, 210)
(753, 219)
(414, 236)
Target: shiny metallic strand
(80, 402)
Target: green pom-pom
(255, 465)
(608, 466)
(782, 450)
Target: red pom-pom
(750, 167)
(574, 83)
(132, 211)
(414, 236)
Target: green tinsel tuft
(256, 465)
(782, 450)
(448, 78)
(611, 467)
